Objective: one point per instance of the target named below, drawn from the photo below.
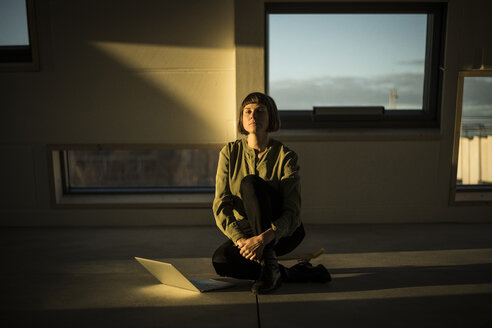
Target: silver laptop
(167, 274)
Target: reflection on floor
(415, 275)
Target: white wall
(167, 72)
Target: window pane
(475, 149)
(347, 60)
(13, 23)
(151, 169)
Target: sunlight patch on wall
(167, 57)
(210, 96)
(202, 79)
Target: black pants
(262, 203)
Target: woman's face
(255, 118)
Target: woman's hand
(252, 248)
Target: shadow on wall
(128, 72)
(187, 23)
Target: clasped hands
(252, 248)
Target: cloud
(416, 62)
(349, 91)
(478, 93)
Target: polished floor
(402, 275)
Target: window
(18, 49)
(369, 64)
(475, 149)
(116, 176)
(472, 150)
(175, 170)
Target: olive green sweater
(278, 166)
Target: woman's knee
(222, 269)
(228, 262)
(249, 183)
(220, 264)
(220, 253)
(300, 232)
(289, 243)
(220, 260)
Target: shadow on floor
(449, 311)
(365, 279)
(439, 311)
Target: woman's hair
(260, 99)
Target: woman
(257, 199)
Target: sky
(477, 102)
(341, 59)
(13, 23)
(477, 95)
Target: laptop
(167, 274)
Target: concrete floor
(405, 275)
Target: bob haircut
(265, 100)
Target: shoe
(322, 274)
(305, 272)
(270, 277)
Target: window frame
(465, 194)
(428, 117)
(24, 58)
(63, 197)
(71, 190)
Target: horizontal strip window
(362, 64)
(115, 171)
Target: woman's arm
(223, 201)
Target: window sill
(175, 200)
(19, 67)
(334, 134)
(473, 197)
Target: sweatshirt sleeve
(223, 201)
(290, 187)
